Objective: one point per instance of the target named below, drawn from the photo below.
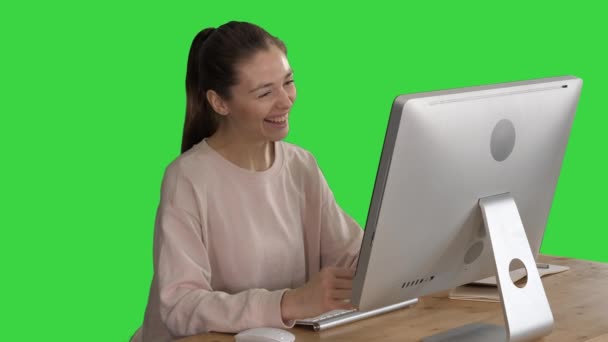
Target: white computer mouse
(264, 335)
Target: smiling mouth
(277, 119)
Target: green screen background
(92, 106)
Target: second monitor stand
(526, 310)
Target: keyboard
(335, 318)
(328, 315)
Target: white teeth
(279, 119)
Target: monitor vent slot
(417, 282)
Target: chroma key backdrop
(92, 107)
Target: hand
(325, 291)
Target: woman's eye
(268, 92)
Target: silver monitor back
(443, 152)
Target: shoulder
(198, 160)
(188, 170)
(302, 164)
(296, 155)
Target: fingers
(347, 273)
(339, 283)
(338, 299)
(335, 288)
(342, 306)
(330, 282)
(341, 294)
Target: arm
(188, 303)
(341, 236)
(336, 243)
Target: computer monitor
(463, 191)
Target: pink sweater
(228, 242)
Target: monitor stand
(526, 310)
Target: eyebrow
(269, 84)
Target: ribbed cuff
(270, 311)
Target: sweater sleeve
(341, 236)
(188, 303)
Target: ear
(218, 104)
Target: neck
(247, 153)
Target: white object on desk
(485, 290)
(265, 335)
(338, 317)
(519, 274)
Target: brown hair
(212, 61)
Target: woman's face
(261, 100)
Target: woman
(248, 233)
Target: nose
(285, 99)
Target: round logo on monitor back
(503, 140)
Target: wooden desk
(578, 299)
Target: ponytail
(201, 121)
